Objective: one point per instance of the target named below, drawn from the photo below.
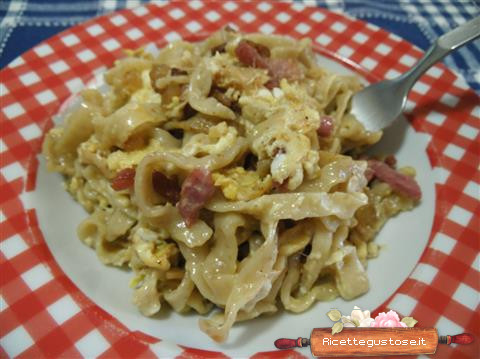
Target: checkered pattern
(43, 314)
(443, 16)
(19, 19)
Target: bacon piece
(390, 160)
(197, 189)
(369, 174)
(284, 69)
(262, 50)
(167, 187)
(326, 126)
(398, 181)
(124, 179)
(249, 55)
(256, 55)
(272, 83)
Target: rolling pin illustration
(373, 341)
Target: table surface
(25, 23)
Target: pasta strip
(295, 206)
(251, 284)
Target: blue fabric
(25, 23)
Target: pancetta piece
(256, 55)
(399, 182)
(124, 179)
(326, 126)
(197, 189)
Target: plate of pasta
(214, 183)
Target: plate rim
(31, 170)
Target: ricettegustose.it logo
(358, 334)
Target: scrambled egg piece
(128, 125)
(122, 159)
(228, 75)
(298, 109)
(293, 164)
(154, 253)
(218, 139)
(286, 120)
(146, 94)
(237, 184)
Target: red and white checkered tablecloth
(43, 314)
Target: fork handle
(445, 44)
(460, 35)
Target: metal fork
(379, 105)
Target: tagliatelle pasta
(228, 175)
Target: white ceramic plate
(405, 277)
